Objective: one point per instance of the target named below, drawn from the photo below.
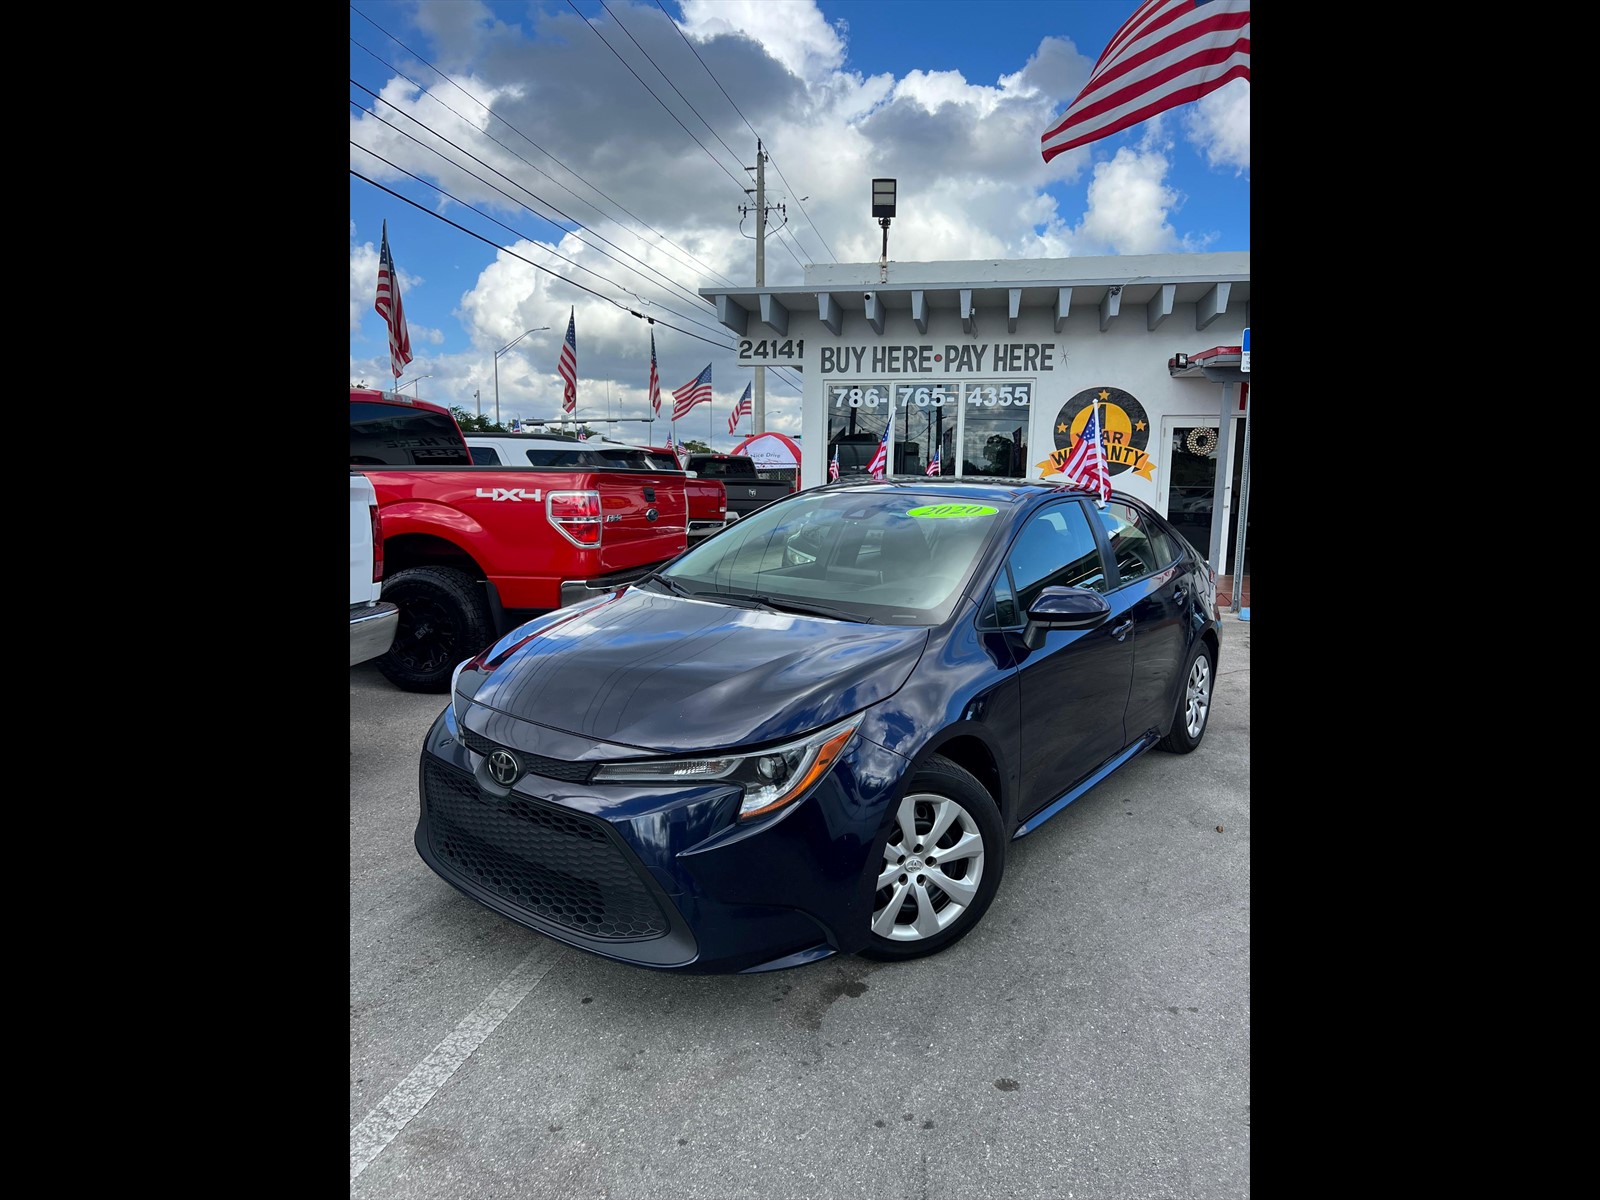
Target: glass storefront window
(978, 428)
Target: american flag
(583, 435)
(568, 366)
(833, 463)
(741, 409)
(388, 307)
(1168, 53)
(655, 380)
(933, 464)
(694, 392)
(1086, 466)
(880, 457)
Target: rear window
(393, 435)
(725, 468)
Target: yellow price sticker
(953, 510)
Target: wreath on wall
(1202, 440)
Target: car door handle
(1178, 594)
(1122, 631)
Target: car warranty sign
(1244, 352)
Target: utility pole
(479, 399)
(758, 395)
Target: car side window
(485, 456)
(1137, 546)
(1056, 548)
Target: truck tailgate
(645, 517)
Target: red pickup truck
(708, 499)
(471, 552)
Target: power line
(433, 150)
(517, 232)
(421, 88)
(747, 125)
(739, 183)
(565, 279)
(530, 262)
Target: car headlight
(770, 778)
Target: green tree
(473, 423)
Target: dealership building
(993, 368)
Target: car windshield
(896, 557)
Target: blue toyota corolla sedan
(816, 732)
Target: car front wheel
(941, 864)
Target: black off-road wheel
(1194, 704)
(942, 861)
(443, 620)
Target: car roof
(971, 487)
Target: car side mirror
(1063, 608)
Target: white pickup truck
(372, 621)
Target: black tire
(443, 620)
(913, 907)
(1193, 713)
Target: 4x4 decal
(516, 494)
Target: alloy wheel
(932, 864)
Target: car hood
(667, 674)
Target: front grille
(537, 764)
(561, 866)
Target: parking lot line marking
(411, 1095)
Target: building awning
(1220, 364)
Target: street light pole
(497, 354)
(409, 382)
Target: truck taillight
(576, 515)
(377, 544)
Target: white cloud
(660, 198)
(1220, 126)
(792, 31)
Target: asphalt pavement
(1091, 1038)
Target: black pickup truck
(747, 491)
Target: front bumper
(660, 878)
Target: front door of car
(1074, 687)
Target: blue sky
(580, 182)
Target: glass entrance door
(1187, 494)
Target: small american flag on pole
(934, 466)
(1168, 53)
(880, 457)
(696, 391)
(387, 305)
(833, 464)
(568, 367)
(655, 380)
(741, 409)
(1086, 466)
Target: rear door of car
(1153, 586)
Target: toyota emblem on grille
(505, 768)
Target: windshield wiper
(812, 609)
(673, 586)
